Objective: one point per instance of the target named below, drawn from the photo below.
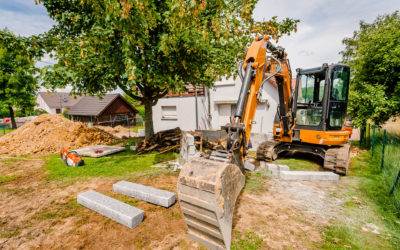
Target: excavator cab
(318, 113)
(320, 98)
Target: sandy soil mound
(48, 134)
(118, 131)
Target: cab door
(338, 96)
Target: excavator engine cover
(207, 192)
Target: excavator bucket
(207, 192)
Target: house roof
(92, 105)
(58, 100)
(81, 105)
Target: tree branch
(129, 93)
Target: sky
(323, 24)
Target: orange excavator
(310, 119)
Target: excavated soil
(48, 134)
(118, 131)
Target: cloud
(324, 24)
(24, 17)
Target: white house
(214, 108)
(55, 102)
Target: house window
(169, 113)
(58, 111)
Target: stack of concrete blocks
(121, 212)
(188, 148)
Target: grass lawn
(299, 162)
(114, 165)
(5, 131)
(370, 191)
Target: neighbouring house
(111, 109)
(187, 110)
(212, 108)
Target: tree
(148, 48)
(373, 54)
(18, 85)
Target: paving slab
(308, 176)
(98, 150)
(145, 193)
(114, 209)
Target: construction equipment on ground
(309, 120)
(71, 158)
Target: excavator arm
(208, 188)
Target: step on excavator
(309, 119)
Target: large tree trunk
(12, 116)
(148, 118)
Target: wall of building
(172, 112)
(224, 96)
(180, 111)
(40, 103)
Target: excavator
(309, 119)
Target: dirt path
(42, 214)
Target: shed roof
(81, 105)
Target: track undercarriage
(336, 158)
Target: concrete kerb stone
(272, 169)
(111, 208)
(145, 193)
(308, 176)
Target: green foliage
(148, 48)
(373, 54)
(18, 84)
(114, 165)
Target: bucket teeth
(207, 192)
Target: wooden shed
(110, 110)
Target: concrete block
(249, 166)
(111, 208)
(145, 193)
(98, 150)
(308, 176)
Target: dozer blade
(207, 192)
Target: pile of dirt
(48, 134)
(118, 131)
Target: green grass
(298, 163)
(340, 237)
(115, 165)
(5, 131)
(372, 189)
(137, 127)
(7, 178)
(255, 182)
(246, 241)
